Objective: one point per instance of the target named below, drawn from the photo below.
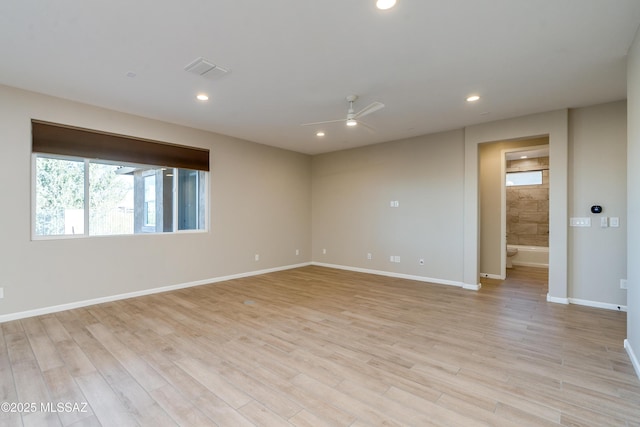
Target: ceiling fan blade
(374, 106)
(321, 123)
(366, 126)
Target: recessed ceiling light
(320, 133)
(202, 97)
(385, 4)
(473, 98)
(351, 122)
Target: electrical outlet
(297, 251)
(324, 252)
(257, 257)
(369, 256)
(623, 284)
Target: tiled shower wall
(528, 206)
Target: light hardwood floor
(322, 347)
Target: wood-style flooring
(322, 347)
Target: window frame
(86, 202)
(532, 171)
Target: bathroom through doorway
(514, 205)
(525, 203)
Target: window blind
(51, 138)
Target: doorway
(528, 223)
(525, 208)
(555, 125)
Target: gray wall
(260, 202)
(597, 175)
(633, 201)
(352, 191)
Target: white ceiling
(532, 153)
(295, 61)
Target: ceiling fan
(352, 118)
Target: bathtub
(530, 256)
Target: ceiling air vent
(205, 68)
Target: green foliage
(107, 189)
(107, 192)
(59, 184)
(60, 188)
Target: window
(84, 196)
(150, 200)
(515, 179)
(59, 197)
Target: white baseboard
(530, 264)
(85, 303)
(596, 304)
(397, 275)
(632, 356)
(557, 300)
(492, 276)
(587, 303)
(471, 287)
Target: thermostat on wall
(596, 209)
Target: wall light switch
(614, 221)
(324, 252)
(604, 222)
(369, 256)
(1, 293)
(257, 257)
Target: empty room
(336, 213)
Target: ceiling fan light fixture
(385, 4)
(352, 116)
(202, 97)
